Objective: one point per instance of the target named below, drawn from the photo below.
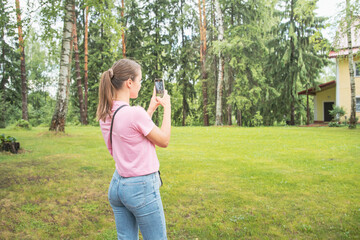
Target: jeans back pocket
(133, 194)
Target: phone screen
(159, 87)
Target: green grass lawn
(219, 183)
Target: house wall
(327, 95)
(344, 86)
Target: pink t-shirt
(133, 153)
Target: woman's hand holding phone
(154, 103)
(161, 136)
(165, 100)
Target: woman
(134, 189)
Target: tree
(123, 30)
(293, 61)
(86, 65)
(59, 116)
(204, 75)
(10, 86)
(103, 47)
(244, 47)
(352, 122)
(77, 70)
(221, 66)
(22, 59)
(186, 70)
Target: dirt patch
(51, 134)
(20, 151)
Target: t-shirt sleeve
(142, 121)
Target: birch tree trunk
(22, 66)
(86, 66)
(2, 84)
(202, 20)
(68, 82)
(218, 120)
(59, 117)
(3, 79)
(352, 123)
(77, 67)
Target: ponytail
(111, 81)
(106, 93)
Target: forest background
(224, 61)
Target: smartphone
(159, 87)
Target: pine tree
(203, 53)
(292, 60)
(24, 90)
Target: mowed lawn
(219, 183)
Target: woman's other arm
(161, 136)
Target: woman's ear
(128, 83)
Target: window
(357, 69)
(358, 104)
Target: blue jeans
(136, 203)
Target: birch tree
(218, 120)
(59, 117)
(22, 59)
(352, 123)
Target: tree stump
(12, 147)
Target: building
(338, 92)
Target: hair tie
(111, 73)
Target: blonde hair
(112, 80)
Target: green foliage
(104, 51)
(7, 139)
(353, 126)
(295, 58)
(257, 120)
(272, 49)
(10, 83)
(337, 113)
(23, 124)
(334, 124)
(40, 108)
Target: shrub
(257, 120)
(334, 124)
(8, 139)
(337, 113)
(23, 124)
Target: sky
(329, 8)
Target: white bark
(351, 65)
(221, 66)
(59, 117)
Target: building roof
(341, 42)
(324, 86)
(343, 52)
